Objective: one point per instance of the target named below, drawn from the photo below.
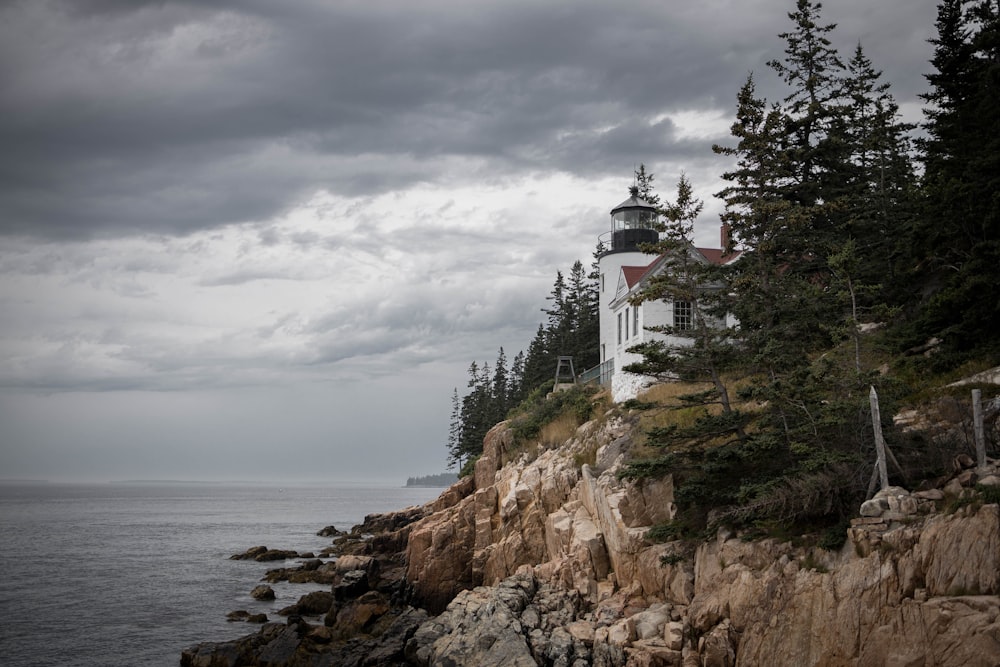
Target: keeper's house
(624, 271)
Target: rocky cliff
(541, 560)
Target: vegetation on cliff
(837, 229)
(860, 249)
(570, 329)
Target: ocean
(130, 574)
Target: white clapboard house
(624, 271)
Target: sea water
(130, 574)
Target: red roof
(717, 256)
(633, 274)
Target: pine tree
(498, 397)
(644, 185)
(455, 453)
(813, 71)
(958, 236)
(539, 363)
(515, 387)
(881, 183)
(700, 350)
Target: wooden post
(977, 424)
(879, 440)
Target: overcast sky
(263, 240)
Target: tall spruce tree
(644, 185)
(814, 142)
(455, 454)
(700, 349)
(881, 180)
(958, 236)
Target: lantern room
(633, 222)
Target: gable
(630, 276)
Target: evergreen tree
(582, 307)
(958, 236)
(539, 364)
(813, 139)
(515, 386)
(645, 188)
(455, 453)
(699, 349)
(498, 398)
(881, 182)
(476, 411)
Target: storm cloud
(333, 207)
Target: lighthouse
(633, 223)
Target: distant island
(443, 480)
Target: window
(626, 324)
(619, 328)
(635, 321)
(602, 282)
(682, 315)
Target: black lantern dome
(633, 222)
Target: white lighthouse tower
(633, 223)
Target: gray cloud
(227, 225)
(171, 117)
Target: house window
(619, 328)
(635, 321)
(682, 315)
(626, 324)
(602, 282)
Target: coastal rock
(314, 572)
(310, 604)
(350, 585)
(249, 554)
(358, 615)
(479, 627)
(539, 560)
(262, 592)
(263, 554)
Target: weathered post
(879, 440)
(977, 424)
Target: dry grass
(558, 431)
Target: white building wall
(651, 313)
(610, 266)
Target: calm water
(120, 574)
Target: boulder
(358, 615)
(249, 554)
(262, 592)
(351, 585)
(310, 604)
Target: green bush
(990, 494)
(469, 467)
(540, 408)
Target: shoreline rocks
(538, 560)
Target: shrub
(538, 410)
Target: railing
(600, 374)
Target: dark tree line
(837, 226)
(571, 328)
(842, 218)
